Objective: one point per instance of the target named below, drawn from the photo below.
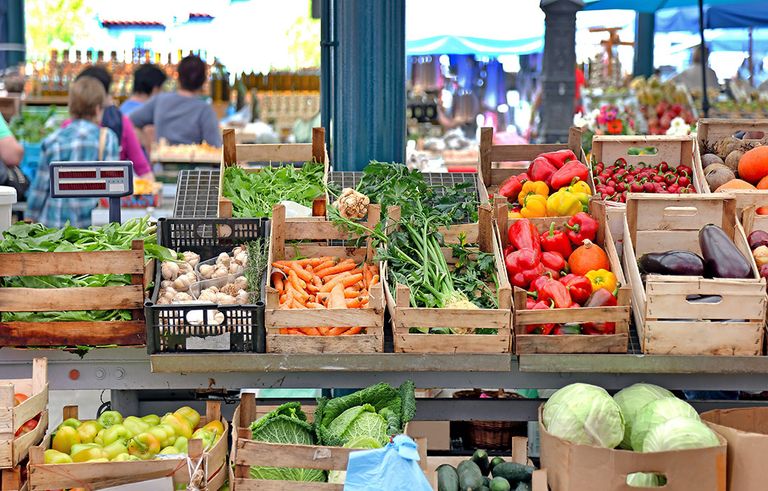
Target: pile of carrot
(323, 283)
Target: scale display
(91, 179)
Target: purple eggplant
(672, 263)
(721, 257)
(757, 238)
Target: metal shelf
(197, 194)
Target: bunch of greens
(253, 194)
(286, 424)
(32, 127)
(35, 237)
(258, 259)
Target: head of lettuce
(584, 414)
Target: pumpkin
(763, 184)
(588, 257)
(734, 184)
(763, 210)
(753, 165)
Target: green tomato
(109, 418)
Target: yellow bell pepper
(535, 206)
(538, 188)
(514, 215)
(563, 204)
(580, 187)
(602, 278)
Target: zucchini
(523, 486)
(470, 477)
(480, 457)
(486, 482)
(513, 472)
(496, 461)
(447, 478)
(500, 484)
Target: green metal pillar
(14, 27)
(645, 28)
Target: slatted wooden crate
(15, 449)
(668, 319)
(574, 343)
(246, 453)
(72, 333)
(14, 479)
(710, 130)
(674, 150)
(404, 316)
(315, 236)
(100, 475)
(234, 154)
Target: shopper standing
(148, 81)
(182, 117)
(81, 140)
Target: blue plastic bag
(392, 468)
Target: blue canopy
(465, 45)
(651, 6)
(751, 14)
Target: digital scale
(111, 180)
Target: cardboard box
(746, 431)
(573, 467)
(437, 433)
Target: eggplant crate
(99, 475)
(314, 239)
(691, 315)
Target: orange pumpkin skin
(753, 165)
(734, 184)
(588, 257)
(763, 210)
(763, 184)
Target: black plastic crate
(180, 328)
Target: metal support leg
(125, 401)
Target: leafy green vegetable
(31, 127)
(253, 194)
(584, 414)
(286, 424)
(634, 398)
(338, 477)
(358, 422)
(258, 260)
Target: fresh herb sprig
(258, 260)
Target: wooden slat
(56, 299)
(532, 343)
(452, 343)
(318, 145)
(458, 318)
(575, 315)
(126, 333)
(701, 338)
(229, 149)
(54, 263)
(246, 484)
(249, 452)
(100, 475)
(325, 318)
(358, 343)
(277, 152)
(512, 153)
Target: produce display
(661, 103)
(481, 472)
(614, 181)
(323, 283)
(254, 192)
(33, 127)
(203, 152)
(641, 418)
(364, 419)
(555, 185)
(608, 119)
(758, 244)
(737, 163)
(28, 425)
(113, 438)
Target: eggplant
(679, 263)
(721, 257)
(757, 238)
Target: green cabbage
(631, 400)
(358, 422)
(680, 433)
(646, 480)
(656, 413)
(286, 424)
(584, 414)
(338, 477)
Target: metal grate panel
(197, 194)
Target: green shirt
(5, 131)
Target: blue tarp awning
(651, 6)
(722, 16)
(465, 45)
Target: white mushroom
(183, 282)
(242, 297)
(165, 284)
(223, 259)
(182, 297)
(241, 258)
(169, 270)
(191, 258)
(241, 283)
(206, 270)
(234, 268)
(220, 273)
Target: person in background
(182, 117)
(148, 81)
(81, 140)
(11, 151)
(691, 77)
(112, 118)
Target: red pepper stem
(575, 227)
(551, 229)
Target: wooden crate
(712, 129)
(246, 453)
(14, 479)
(234, 154)
(318, 233)
(99, 475)
(518, 454)
(128, 297)
(404, 317)
(669, 324)
(674, 150)
(577, 343)
(13, 450)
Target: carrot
(324, 331)
(280, 264)
(301, 272)
(337, 300)
(325, 265)
(375, 279)
(351, 293)
(339, 268)
(351, 280)
(367, 275)
(283, 330)
(294, 330)
(298, 304)
(295, 281)
(315, 305)
(296, 293)
(310, 331)
(354, 303)
(352, 330)
(328, 285)
(337, 331)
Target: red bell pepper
(601, 298)
(522, 234)
(529, 303)
(568, 174)
(556, 241)
(553, 261)
(536, 285)
(581, 227)
(541, 170)
(556, 292)
(578, 286)
(512, 186)
(540, 328)
(564, 329)
(559, 158)
(524, 266)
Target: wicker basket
(490, 435)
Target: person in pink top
(112, 118)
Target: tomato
(18, 398)
(27, 427)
